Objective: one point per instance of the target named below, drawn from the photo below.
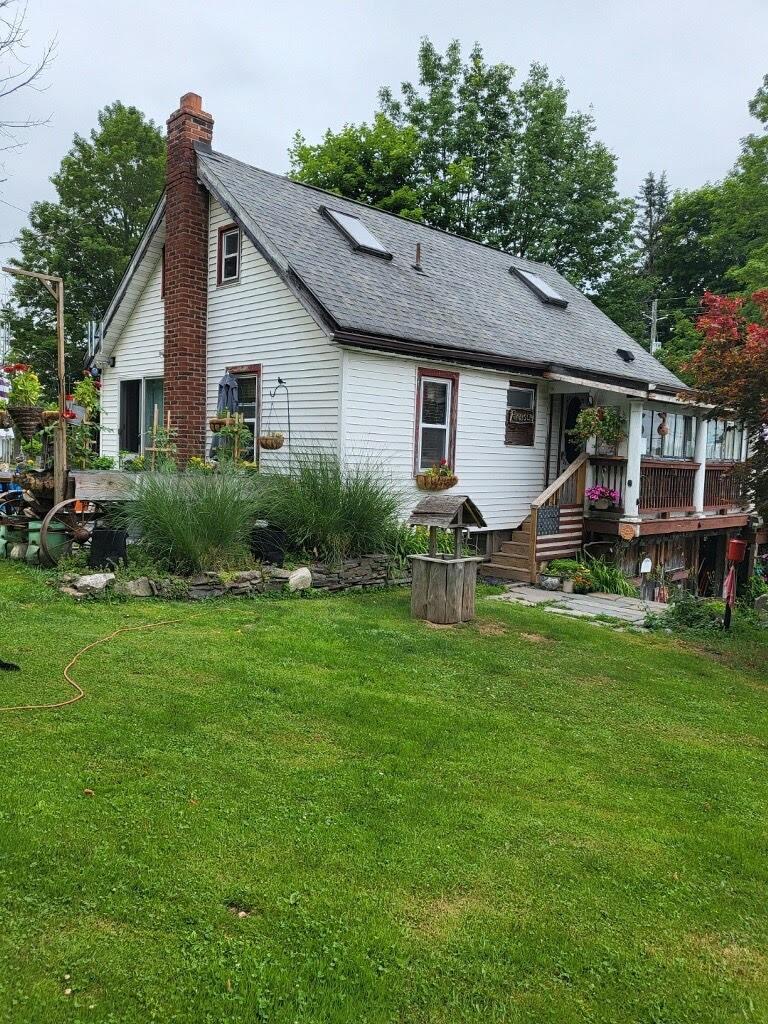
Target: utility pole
(655, 346)
(55, 285)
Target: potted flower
(602, 498)
(24, 399)
(437, 478)
(271, 441)
(605, 423)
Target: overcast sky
(668, 80)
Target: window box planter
(27, 419)
(271, 442)
(432, 482)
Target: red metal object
(737, 549)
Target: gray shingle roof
(466, 299)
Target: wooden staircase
(553, 529)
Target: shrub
(565, 567)
(609, 578)
(332, 510)
(193, 521)
(689, 613)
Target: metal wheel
(69, 527)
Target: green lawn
(525, 819)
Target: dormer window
(228, 267)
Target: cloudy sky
(668, 80)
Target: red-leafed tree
(730, 371)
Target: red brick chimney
(186, 277)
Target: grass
(524, 819)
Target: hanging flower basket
(217, 422)
(27, 419)
(271, 442)
(433, 482)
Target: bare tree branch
(16, 73)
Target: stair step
(504, 572)
(513, 561)
(516, 547)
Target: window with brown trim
(228, 260)
(249, 401)
(520, 424)
(437, 395)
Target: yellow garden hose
(79, 691)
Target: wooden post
(60, 431)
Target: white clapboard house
(406, 344)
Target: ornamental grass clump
(194, 521)
(609, 579)
(333, 511)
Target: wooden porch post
(700, 456)
(634, 455)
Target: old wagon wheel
(69, 526)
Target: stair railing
(567, 489)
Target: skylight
(540, 287)
(358, 234)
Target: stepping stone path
(587, 606)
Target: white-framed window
(138, 400)
(436, 407)
(229, 254)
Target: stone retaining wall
(375, 571)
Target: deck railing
(667, 486)
(610, 472)
(724, 485)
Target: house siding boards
(379, 416)
(138, 353)
(256, 320)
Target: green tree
(513, 168)
(652, 206)
(372, 163)
(626, 292)
(107, 186)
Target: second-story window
(229, 254)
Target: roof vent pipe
(417, 265)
